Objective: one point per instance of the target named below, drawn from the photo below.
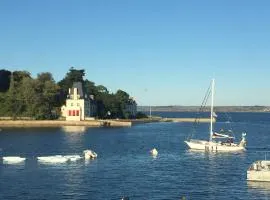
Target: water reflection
(74, 137)
(263, 187)
(203, 153)
(74, 129)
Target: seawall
(60, 123)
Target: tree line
(42, 97)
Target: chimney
(75, 93)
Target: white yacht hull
(213, 146)
(259, 171)
(258, 175)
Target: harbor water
(125, 167)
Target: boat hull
(52, 159)
(259, 171)
(258, 175)
(213, 146)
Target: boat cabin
(261, 165)
(259, 171)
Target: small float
(154, 152)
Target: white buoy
(89, 154)
(154, 152)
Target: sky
(160, 52)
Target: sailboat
(215, 142)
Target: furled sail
(219, 135)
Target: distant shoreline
(207, 109)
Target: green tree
(3, 107)
(74, 75)
(46, 90)
(19, 75)
(30, 97)
(12, 103)
(140, 115)
(4, 80)
(102, 89)
(122, 99)
(90, 87)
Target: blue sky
(160, 52)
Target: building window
(73, 113)
(78, 104)
(77, 112)
(71, 104)
(69, 113)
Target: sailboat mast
(212, 109)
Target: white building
(78, 106)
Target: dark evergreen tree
(4, 80)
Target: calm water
(124, 166)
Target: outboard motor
(88, 154)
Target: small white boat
(259, 171)
(89, 154)
(13, 159)
(52, 159)
(73, 158)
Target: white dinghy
(13, 159)
(73, 158)
(52, 159)
(57, 159)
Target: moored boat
(52, 159)
(218, 141)
(259, 171)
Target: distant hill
(196, 108)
